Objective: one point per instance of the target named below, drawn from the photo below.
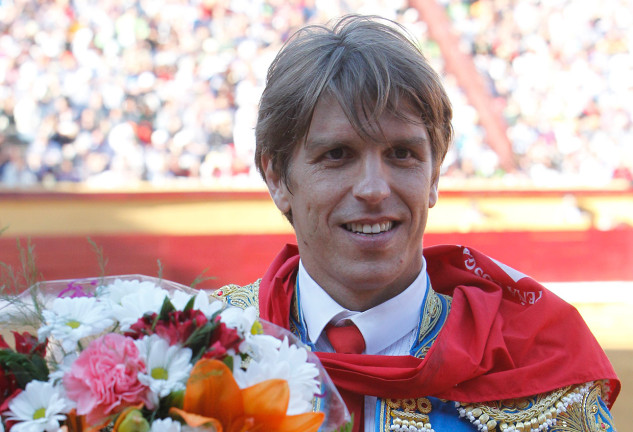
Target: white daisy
(40, 407)
(260, 346)
(165, 425)
(241, 320)
(63, 366)
(202, 302)
(71, 319)
(130, 299)
(290, 363)
(118, 289)
(168, 366)
(180, 299)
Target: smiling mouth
(362, 228)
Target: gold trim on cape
(569, 409)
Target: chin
(369, 278)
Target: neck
(362, 295)
(361, 300)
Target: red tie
(346, 339)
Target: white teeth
(369, 229)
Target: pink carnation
(104, 378)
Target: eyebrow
(409, 141)
(325, 142)
(319, 142)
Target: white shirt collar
(380, 325)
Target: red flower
(3, 343)
(176, 328)
(8, 388)
(26, 343)
(222, 340)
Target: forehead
(330, 123)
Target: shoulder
(240, 296)
(578, 408)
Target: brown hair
(370, 65)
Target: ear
(433, 191)
(276, 186)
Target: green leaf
(175, 399)
(347, 427)
(27, 263)
(159, 273)
(25, 367)
(14, 281)
(165, 309)
(39, 365)
(199, 340)
(228, 361)
(134, 422)
(189, 304)
(101, 259)
(201, 278)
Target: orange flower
(77, 423)
(213, 398)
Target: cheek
(317, 199)
(313, 218)
(306, 224)
(317, 211)
(418, 204)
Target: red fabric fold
(503, 338)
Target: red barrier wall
(232, 236)
(547, 256)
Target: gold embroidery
(294, 316)
(570, 409)
(423, 405)
(432, 312)
(407, 415)
(525, 411)
(581, 416)
(240, 296)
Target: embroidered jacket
(577, 408)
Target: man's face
(359, 207)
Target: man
(353, 127)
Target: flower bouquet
(135, 353)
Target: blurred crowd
(109, 92)
(563, 70)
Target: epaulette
(569, 409)
(240, 296)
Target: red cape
(503, 338)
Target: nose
(372, 182)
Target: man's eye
(401, 153)
(337, 153)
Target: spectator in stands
(186, 78)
